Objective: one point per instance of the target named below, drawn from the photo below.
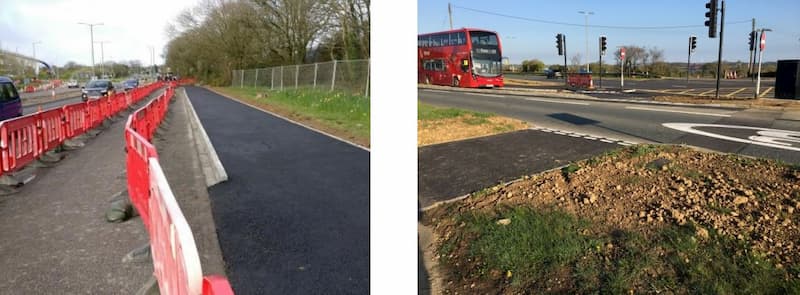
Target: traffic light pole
(719, 57)
(566, 69)
(601, 70)
(689, 62)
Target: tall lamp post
(102, 57)
(35, 64)
(586, 55)
(91, 39)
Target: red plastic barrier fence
(24, 139)
(176, 263)
(580, 80)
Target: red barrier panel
(176, 263)
(75, 121)
(50, 128)
(94, 115)
(580, 80)
(18, 142)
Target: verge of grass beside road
(341, 114)
(641, 219)
(439, 124)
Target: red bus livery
(461, 58)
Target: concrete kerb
(212, 167)
(575, 96)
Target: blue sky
(527, 40)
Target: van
(10, 102)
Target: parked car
(96, 89)
(73, 84)
(10, 102)
(130, 84)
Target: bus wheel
(455, 82)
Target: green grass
(542, 244)
(427, 112)
(345, 112)
(566, 171)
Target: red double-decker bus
(462, 58)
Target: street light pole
(35, 64)
(102, 58)
(586, 55)
(91, 39)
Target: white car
(73, 84)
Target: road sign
(622, 53)
(763, 40)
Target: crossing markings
(765, 92)
(585, 136)
(735, 92)
(707, 92)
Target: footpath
(56, 239)
(293, 216)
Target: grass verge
(343, 115)
(520, 249)
(438, 125)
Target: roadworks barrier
(176, 262)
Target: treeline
(643, 61)
(215, 37)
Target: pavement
(55, 236)
(293, 217)
(457, 168)
(639, 123)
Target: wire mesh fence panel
(236, 78)
(324, 74)
(264, 78)
(249, 78)
(305, 76)
(352, 76)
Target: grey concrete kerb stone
(212, 167)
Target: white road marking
(624, 144)
(773, 134)
(606, 140)
(556, 101)
(492, 95)
(677, 111)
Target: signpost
(622, 68)
(762, 44)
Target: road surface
(642, 123)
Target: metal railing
(339, 75)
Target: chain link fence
(350, 76)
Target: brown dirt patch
(642, 189)
(747, 103)
(463, 127)
(307, 120)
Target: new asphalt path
(293, 218)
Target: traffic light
(602, 45)
(711, 16)
(692, 43)
(752, 41)
(560, 44)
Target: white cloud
(129, 26)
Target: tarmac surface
(453, 169)
(293, 217)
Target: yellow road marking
(707, 92)
(685, 91)
(765, 92)
(735, 92)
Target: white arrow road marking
(766, 136)
(677, 111)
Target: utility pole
(91, 39)
(750, 62)
(450, 14)
(586, 58)
(719, 55)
